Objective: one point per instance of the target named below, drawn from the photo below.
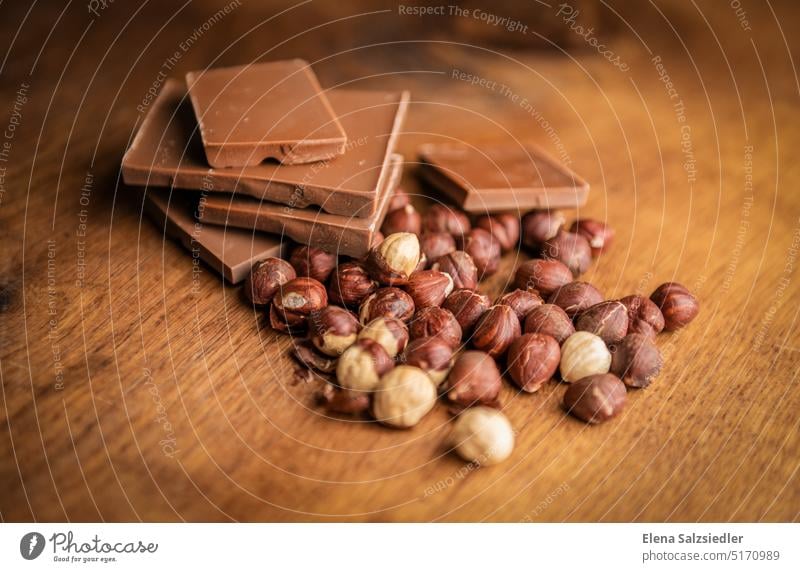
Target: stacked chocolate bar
(271, 157)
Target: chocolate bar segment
(232, 252)
(167, 151)
(276, 110)
(351, 236)
(500, 177)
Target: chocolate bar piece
(271, 110)
(500, 177)
(351, 236)
(167, 151)
(231, 252)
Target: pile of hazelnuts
(392, 329)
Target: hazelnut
(583, 354)
(333, 330)
(387, 303)
(483, 435)
(305, 352)
(484, 250)
(644, 317)
(495, 330)
(460, 266)
(404, 219)
(286, 321)
(677, 305)
(338, 400)
(439, 218)
(521, 301)
(474, 380)
(361, 365)
(403, 397)
(503, 227)
(636, 360)
(429, 288)
(540, 226)
(434, 356)
(575, 297)
(399, 199)
(595, 398)
(350, 284)
(265, 279)
(599, 234)
(571, 249)
(391, 333)
(394, 259)
(302, 295)
(436, 244)
(313, 262)
(467, 306)
(609, 320)
(436, 322)
(533, 360)
(551, 321)
(544, 276)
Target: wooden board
(133, 388)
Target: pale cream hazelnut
(390, 333)
(483, 435)
(361, 366)
(395, 259)
(583, 354)
(403, 397)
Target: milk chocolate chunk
(498, 177)
(167, 150)
(232, 252)
(338, 234)
(270, 110)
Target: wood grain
(142, 391)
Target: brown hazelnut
(540, 226)
(404, 219)
(677, 305)
(595, 398)
(302, 296)
(399, 199)
(286, 321)
(575, 297)
(544, 276)
(533, 360)
(388, 302)
(609, 320)
(404, 396)
(521, 301)
(484, 250)
(474, 380)
(483, 436)
(434, 356)
(644, 317)
(599, 234)
(361, 365)
(571, 249)
(495, 330)
(313, 262)
(265, 279)
(394, 259)
(583, 354)
(461, 268)
(429, 288)
(440, 218)
(350, 284)
(306, 353)
(503, 227)
(636, 360)
(338, 400)
(436, 244)
(333, 330)
(391, 333)
(467, 306)
(436, 322)
(549, 320)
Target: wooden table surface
(133, 389)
